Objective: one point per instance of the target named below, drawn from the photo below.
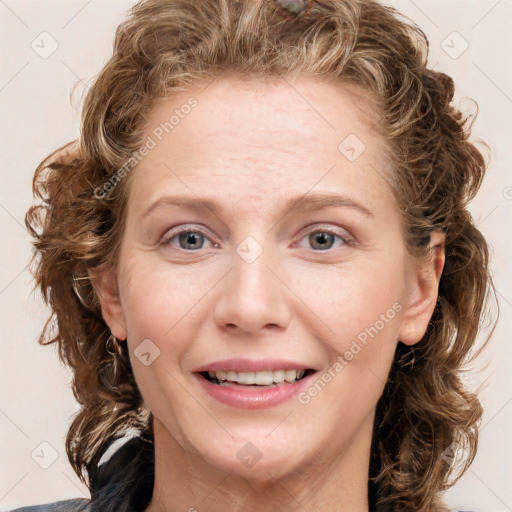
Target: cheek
(158, 300)
(363, 312)
(362, 308)
(160, 305)
(361, 297)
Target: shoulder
(75, 505)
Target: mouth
(260, 379)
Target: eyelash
(347, 240)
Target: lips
(270, 387)
(253, 365)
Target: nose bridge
(253, 296)
(252, 260)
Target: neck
(186, 482)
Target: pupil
(189, 238)
(322, 237)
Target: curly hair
(167, 45)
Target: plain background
(39, 114)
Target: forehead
(248, 137)
(273, 105)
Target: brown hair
(167, 45)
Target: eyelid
(343, 234)
(176, 230)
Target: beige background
(38, 114)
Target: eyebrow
(301, 204)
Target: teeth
(265, 378)
(231, 376)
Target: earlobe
(104, 282)
(421, 297)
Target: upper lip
(252, 365)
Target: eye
(192, 239)
(323, 239)
(188, 239)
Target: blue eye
(188, 239)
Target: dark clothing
(132, 461)
(75, 505)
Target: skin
(251, 146)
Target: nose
(254, 293)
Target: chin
(256, 458)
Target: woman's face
(221, 270)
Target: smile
(260, 378)
(253, 390)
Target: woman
(261, 264)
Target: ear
(422, 293)
(104, 282)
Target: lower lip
(253, 397)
